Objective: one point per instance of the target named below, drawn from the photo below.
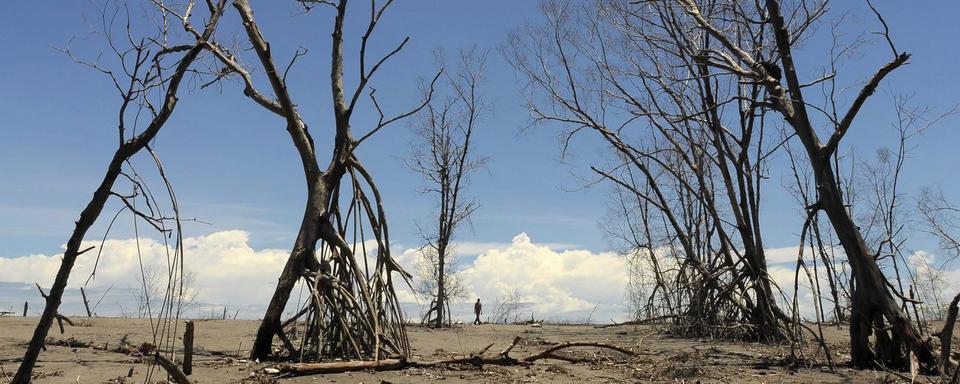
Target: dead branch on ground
(503, 358)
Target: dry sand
(660, 358)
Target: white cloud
(552, 280)
(227, 269)
(788, 255)
(934, 283)
(557, 284)
(473, 248)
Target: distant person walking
(477, 310)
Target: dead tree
(353, 310)
(888, 219)
(946, 337)
(823, 249)
(687, 155)
(151, 291)
(153, 68)
(941, 218)
(444, 158)
(874, 307)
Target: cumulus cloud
(553, 283)
(788, 255)
(557, 284)
(226, 268)
(474, 248)
(934, 283)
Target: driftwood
(176, 375)
(649, 320)
(503, 358)
(341, 366)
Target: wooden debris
(61, 319)
(176, 375)
(503, 358)
(341, 366)
(188, 348)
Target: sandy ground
(660, 357)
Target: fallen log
(644, 321)
(502, 358)
(551, 352)
(300, 369)
(176, 375)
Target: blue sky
(233, 165)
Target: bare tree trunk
(295, 267)
(872, 301)
(444, 158)
(352, 313)
(188, 348)
(103, 192)
(684, 144)
(946, 336)
(441, 284)
(86, 304)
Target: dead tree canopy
(875, 310)
(352, 310)
(689, 96)
(444, 157)
(147, 78)
(685, 163)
